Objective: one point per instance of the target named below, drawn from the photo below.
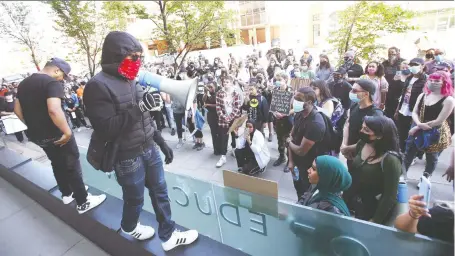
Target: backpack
(338, 117)
(330, 135)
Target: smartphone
(398, 73)
(425, 190)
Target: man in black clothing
(39, 106)
(353, 69)
(361, 95)
(7, 109)
(309, 138)
(257, 108)
(391, 66)
(340, 88)
(112, 100)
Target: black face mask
(429, 56)
(365, 137)
(337, 79)
(346, 59)
(254, 73)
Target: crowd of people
(379, 117)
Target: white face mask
(9, 98)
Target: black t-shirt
(439, 226)
(33, 93)
(312, 128)
(356, 116)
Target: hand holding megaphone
(151, 101)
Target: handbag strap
(422, 108)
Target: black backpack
(329, 141)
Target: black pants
(222, 140)
(283, 129)
(79, 119)
(178, 117)
(403, 126)
(213, 124)
(67, 169)
(246, 160)
(165, 114)
(19, 136)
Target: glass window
(263, 18)
(243, 20)
(249, 11)
(249, 19)
(257, 18)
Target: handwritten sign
(281, 102)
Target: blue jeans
(133, 174)
(411, 152)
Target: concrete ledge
(102, 224)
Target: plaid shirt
(223, 119)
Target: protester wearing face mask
(72, 107)
(290, 59)
(271, 69)
(306, 58)
(392, 73)
(361, 96)
(328, 177)
(324, 70)
(413, 87)
(212, 116)
(228, 104)
(256, 107)
(283, 125)
(308, 137)
(374, 71)
(375, 171)
(267, 93)
(340, 88)
(253, 74)
(431, 64)
(430, 112)
(396, 88)
(297, 81)
(7, 109)
(353, 69)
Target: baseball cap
(62, 65)
(367, 85)
(419, 61)
(443, 65)
(341, 71)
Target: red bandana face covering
(129, 68)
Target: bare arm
(54, 106)
(415, 111)
(18, 111)
(303, 148)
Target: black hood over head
(117, 45)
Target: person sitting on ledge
(329, 177)
(252, 153)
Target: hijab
(333, 178)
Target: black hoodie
(108, 98)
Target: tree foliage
(362, 23)
(186, 25)
(16, 23)
(88, 23)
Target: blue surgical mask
(438, 58)
(277, 83)
(298, 106)
(414, 69)
(353, 97)
(405, 72)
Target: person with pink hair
(431, 111)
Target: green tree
(16, 22)
(87, 23)
(186, 25)
(362, 23)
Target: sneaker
(92, 202)
(70, 198)
(180, 238)
(201, 146)
(196, 145)
(88, 127)
(141, 232)
(240, 170)
(286, 169)
(279, 161)
(179, 144)
(172, 132)
(221, 162)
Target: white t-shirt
(404, 110)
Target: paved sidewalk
(201, 164)
(26, 228)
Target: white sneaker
(180, 238)
(179, 144)
(141, 232)
(92, 202)
(221, 162)
(70, 198)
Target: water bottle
(402, 195)
(296, 174)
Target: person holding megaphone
(119, 109)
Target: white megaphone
(181, 91)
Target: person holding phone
(436, 222)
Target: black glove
(167, 151)
(150, 100)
